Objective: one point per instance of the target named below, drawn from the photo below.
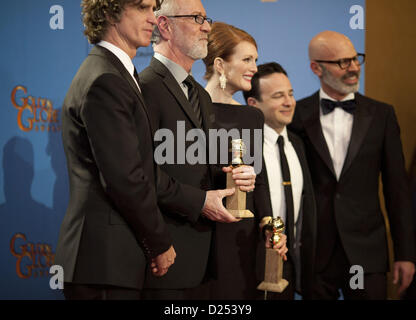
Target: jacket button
(338, 196)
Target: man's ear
(164, 27)
(316, 68)
(252, 101)
(219, 65)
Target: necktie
(136, 76)
(193, 97)
(328, 105)
(287, 186)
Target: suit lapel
(299, 153)
(362, 120)
(97, 50)
(173, 86)
(303, 165)
(268, 204)
(206, 109)
(313, 128)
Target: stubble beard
(337, 84)
(198, 50)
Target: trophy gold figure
(273, 274)
(236, 203)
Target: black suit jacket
(113, 224)
(350, 207)
(303, 251)
(167, 104)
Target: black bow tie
(328, 106)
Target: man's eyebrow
(349, 57)
(282, 92)
(198, 13)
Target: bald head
(330, 45)
(325, 49)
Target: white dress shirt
(177, 71)
(274, 173)
(337, 128)
(122, 56)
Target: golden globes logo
(32, 259)
(34, 113)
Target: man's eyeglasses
(346, 62)
(198, 18)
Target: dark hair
(97, 13)
(263, 70)
(222, 40)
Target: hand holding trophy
(273, 274)
(236, 203)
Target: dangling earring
(223, 81)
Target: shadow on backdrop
(29, 229)
(60, 196)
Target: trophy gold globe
(273, 273)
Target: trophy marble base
(273, 287)
(236, 204)
(273, 279)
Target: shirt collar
(270, 135)
(120, 54)
(324, 95)
(177, 71)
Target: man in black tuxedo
(293, 200)
(175, 100)
(113, 229)
(350, 139)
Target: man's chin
(198, 53)
(354, 88)
(344, 88)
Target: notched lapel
(124, 73)
(120, 67)
(175, 89)
(362, 120)
(313, 129)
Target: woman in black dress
(230, 65)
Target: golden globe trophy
(236, 203)
(273, 274)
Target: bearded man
(350, 139)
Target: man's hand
(244, 177)
(403, 272)
(162, 262)
(279, 247)
(214, 209)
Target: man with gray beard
(350, 139)
(174, 99)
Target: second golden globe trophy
(236, 203)
(273, 273)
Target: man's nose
(206, 27)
